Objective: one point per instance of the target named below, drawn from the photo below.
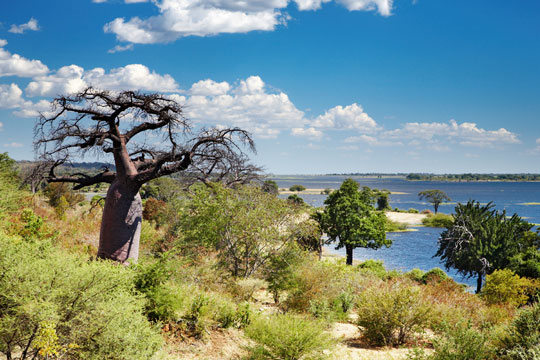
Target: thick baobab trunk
(121, 223)
(349, 250)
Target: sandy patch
(407, 218)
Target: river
(415, 249)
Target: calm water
(416, 249)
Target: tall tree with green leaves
(350, 218)
(482, 240)
(435, 197)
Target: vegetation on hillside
(222, 263)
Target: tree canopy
(148, 137)
(435, 197)
(482, 240)
(350, 218)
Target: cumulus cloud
(179, 18)
(31, 25)
(16, 65)
(247, 104)
(467, 134)
(73, 78)
(310, 133)
(10, 96)
(351, 117)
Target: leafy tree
(482, 240)
(97, 121)
(382, 199)
(295, 199)
(9, 185)
(297, 188)
(245, 225)
(350, 219)
(270, 186)
(435, 197)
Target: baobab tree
(114, 123)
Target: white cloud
(13, 145)
(33, 110)
(179, 18)
(310, 133)
(209, 88)
(467, 134)
(120, 48)
(248, 105)
(10, 96)
(73, 78)
(31, 25)
(351, 117)
(16, 65)
(1, 126)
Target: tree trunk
(436, 206)
(349, 250)
(121, 223)
(479, 283)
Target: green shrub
(505, 287)
(438, 220)
(280, 269)
(244, 289)
(287, 337)
(413, 211)
(416, 275)
(373, 267)
(390, 314)
(297, 188)
(394, 226)
(461, 342)
(434, 275)
(523, 335)
(87, 310)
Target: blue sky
(324, 85)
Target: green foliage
(297, 188)
(350, 219)
(32, 225)
(287, 337)
(326, 191)
(416, 275)
(434, 275)
(382, 199)
(526, 263)
(58, 190)
(280, 269)
(392, 313)
(435, 197)
(523, 336)
(482, 240)
(245, 225)
(295, 199)
(413, 211)
(438, 221)
(505, 287)
(270, 186)
(394, 226)
(10, 195)
(164, 189)
(459, 342)
(374, 267)
(88, 309)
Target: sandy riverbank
(406, 218)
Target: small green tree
(297, 188)
(350, 219)
(270, 186)
(481, 240)
(435, 197)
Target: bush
(523, 335)
(438, 220)
(392, 313)
(413, 211)
(81, 309)
(297, 188)
(434, 275)
(374, 267)
(287, 337)
(416, 275)
(461, 342)
(505, 287)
